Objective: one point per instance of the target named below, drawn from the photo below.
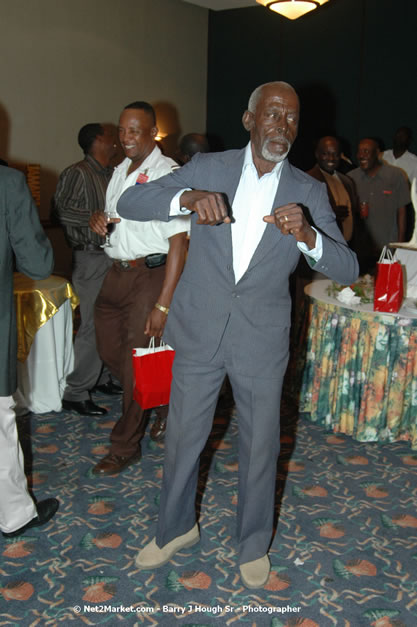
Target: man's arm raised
(210, 206)
(164, 198)
(290, 220)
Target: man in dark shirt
(383, 195)
(81, 191)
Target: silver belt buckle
(125, 265)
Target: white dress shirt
(253, 200)
(131, 239)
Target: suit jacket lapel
(232, 172)
(289, 190)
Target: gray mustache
(279, 138)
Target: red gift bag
(152, 369)
(388, 292)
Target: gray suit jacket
(257, 308)
(21, 234)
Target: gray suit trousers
(90, 268)
(194, 392)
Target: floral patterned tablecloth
(358, 368)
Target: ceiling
(221, 5)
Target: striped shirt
(81, 191)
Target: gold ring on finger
(286, 218)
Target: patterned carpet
(344, 554)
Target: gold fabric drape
(36, 302)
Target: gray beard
(270, 156)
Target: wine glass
(110, 215)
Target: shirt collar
(377, 174)
(335, 173)
(248, 162)
(97, 166)
(149, 162)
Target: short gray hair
(256, 94)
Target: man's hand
(290, 220)
(156, 320)
(209, 206)
(155, 323)
(98, 223)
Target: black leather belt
(150, 261)
(88, 246)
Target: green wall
(352, 62)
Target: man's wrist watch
(165, 310)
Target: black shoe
(46, 510)
(85, 408)
(108, 388)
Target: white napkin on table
(348, 297)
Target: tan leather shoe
(151, 556)
(255, 574)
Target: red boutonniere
(142, 178)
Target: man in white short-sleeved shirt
(134, 301)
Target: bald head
(402, 140)
(368, 156)
(328, 153)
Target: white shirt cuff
(315, 253)
(175, 209)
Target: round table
(45, 346)
(358, 367)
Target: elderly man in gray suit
(22, 239)
(231, 313)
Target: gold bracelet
(165, 310)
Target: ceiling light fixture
(292, 9)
